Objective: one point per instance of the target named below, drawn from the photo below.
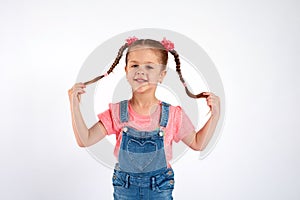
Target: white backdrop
(254, 45)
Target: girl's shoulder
(114, 109)
(173, 108)
(175, 112)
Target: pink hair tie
(184, 84)
(167, 44)
(131, 40)
(106, 74)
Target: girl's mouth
(140, 80)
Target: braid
(119, 56)
(178, 70)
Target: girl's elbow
(82, 144)
(195, 148)
(200, 147)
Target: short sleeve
(108, 119)
(183, 124)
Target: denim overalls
(142, 171)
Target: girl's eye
(134, 66)
(149, 67)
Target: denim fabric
(163, 117)
(156, 185)
(164, 114)
(141, 152)
(142, 171)
(124, 111)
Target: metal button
(171, 182)
(125, 129)
(161, 133)
(170, 172)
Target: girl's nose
(140, 72)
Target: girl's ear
(162, 75)
(125, 68)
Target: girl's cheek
(130, 74)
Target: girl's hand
(75, 92)
(213, 102)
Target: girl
(144, 126)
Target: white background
(254, 45)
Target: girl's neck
(144, 104)
(142, 101)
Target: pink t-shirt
(179, 125)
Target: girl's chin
(143, 88)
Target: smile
(140, 80)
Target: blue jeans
(155, 185)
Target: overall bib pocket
(141, 154)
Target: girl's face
(144, 70)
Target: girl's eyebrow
(134, 61)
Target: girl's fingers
(212, 99)
(77, 86)
(76, 91)
(213, 102)
(80, 85)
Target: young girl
(144, 126)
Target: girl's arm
(199, 140)
(84, 136)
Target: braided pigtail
(119, 56)
(178, 70)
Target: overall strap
(124, 111)
(164, 115)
